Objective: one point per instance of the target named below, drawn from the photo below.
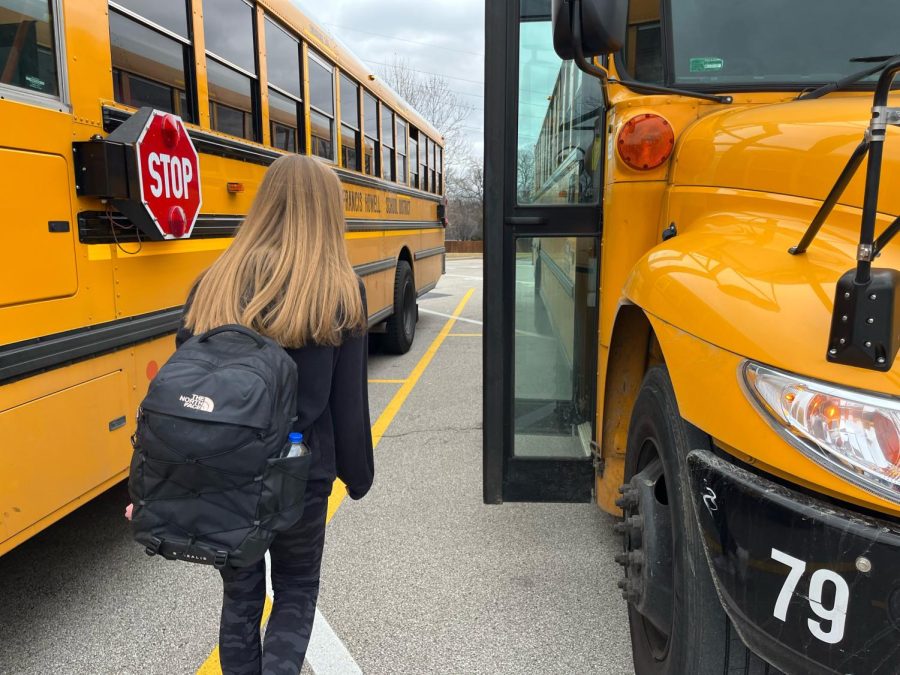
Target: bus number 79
(837, 614)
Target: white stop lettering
(175, 178)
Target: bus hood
(796, 148)
(729, 280)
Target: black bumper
(785, 563)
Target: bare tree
(465, 195)
(525, 179)
(433, 98)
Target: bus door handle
(527, 221)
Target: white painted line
(467, 278)
(481, 323)
(327, 655)
(450, 316)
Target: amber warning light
(646, 142)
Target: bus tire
(401, 326)
(699, 638)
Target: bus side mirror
(601, 25)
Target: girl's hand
(128, 510)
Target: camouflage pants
(296, 559)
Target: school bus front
(709, 348)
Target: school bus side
(87, 320)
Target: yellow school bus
(89, 301)
(693, 314)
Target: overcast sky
(437, 36)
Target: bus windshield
(775, 42)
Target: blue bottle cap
(295, 437)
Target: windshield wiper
(845, 82)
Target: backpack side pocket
(283, 491)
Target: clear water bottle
(298, 448)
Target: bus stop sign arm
(865, 324)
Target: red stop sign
(169, 170)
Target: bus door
(543, 175)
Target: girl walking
(287, 276)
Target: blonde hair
(287, 274)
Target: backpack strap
(234, 328)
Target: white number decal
(837, 615)
(798, 567)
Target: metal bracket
(866, 252)
(882, 117)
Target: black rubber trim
(380, 316)
(204, 142)
(27, 358)
(361, 225)
(211, 144)
(30, 357)
(94, 227)
(375, 267)
(430, 253)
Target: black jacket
(332, 409)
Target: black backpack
(210, 480)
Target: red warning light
(170, 132)
(177, 221)
(646, 142)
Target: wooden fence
(454, 246)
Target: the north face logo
(197, 402)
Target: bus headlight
(851, 433)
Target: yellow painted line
(384, 421)
(339, 491)
(387, 381)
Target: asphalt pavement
(419, 577)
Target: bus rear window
(27, 52)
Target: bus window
(285, 94)
(423, 166)
(432, 162)
(349, 124)
(560, 125)
(402, 150)
(171, 15)
(283, 116)
(228, 30)
(230, 101)
(371, 119)
(440, 170)
(387, 144)
(321, 103)
(643, 44)
(283, 60)
(413, 157)
(231, 66)
(149, 68)
(27, 52)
